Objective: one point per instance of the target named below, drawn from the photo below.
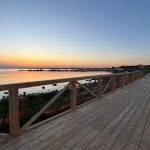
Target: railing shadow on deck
(101, 85)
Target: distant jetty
(68, 69)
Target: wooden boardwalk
(118, 121)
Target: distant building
(117, 69)
(141, 66)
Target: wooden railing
(73, 84)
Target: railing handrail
(10, 86)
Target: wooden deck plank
(145, 140)
(101, 125)
(21, 141)
(104, 120)
(106, 136)
(129, 128)
(113, 122)
(46, 127)
(93, 114)
(61, 139)
(110, 140)
(3, 137)
(105, 126)
(135, 138)
(77, 128)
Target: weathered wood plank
(127, 131)
(102, 128)
(135, 137)
(103, 133)
(77, 126)
(85, 113)
(62, 132)
(114, 83)
(108, 114)
(73, 94)
(145, 140)
(14, 113)
(112, 137)
(3, 137)
(125, 80)
(99, 92)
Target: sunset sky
(74, 33)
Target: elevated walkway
(118, 121)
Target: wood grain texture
(14, 113)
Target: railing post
(14, 124)
(99, 92)
(142, 74)
(128, 78)
(73, 94)
(139, 74)
(135, 75)
(132, 77)
(114, 82)
(122, 84)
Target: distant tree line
(144, 68)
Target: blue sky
(93, 33)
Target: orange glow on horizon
(54, 61)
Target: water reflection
(15, 76)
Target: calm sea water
(15, 76)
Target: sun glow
(54, 61)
